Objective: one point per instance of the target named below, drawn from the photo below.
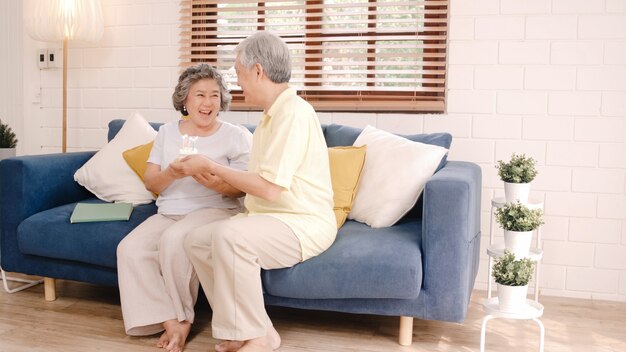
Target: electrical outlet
(55, 56)
(42, 58)
(37, 96)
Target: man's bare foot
(228, 346)
(177, 333)
(164, 340)
(272, 338)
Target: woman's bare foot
(164, 340)
(177, 333)
(272, 339)
(259, 344)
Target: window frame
(429, 95)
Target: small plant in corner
(7, 137)
(518, 217)
(519, 169)
(512, 272)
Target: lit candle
(189, 146)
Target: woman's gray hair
(192, 75)
(270, 52)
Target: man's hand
(194, 164)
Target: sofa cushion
(337, 135)
(50, 234)
(395, 172)
(107, 175)
(346, 164)
(137, 158)
(362, 263)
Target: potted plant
(518, 222)
(7, 141)
(517, 175)
(512, 276)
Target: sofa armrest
(30, 184)
(451, 237)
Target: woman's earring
(185, 113)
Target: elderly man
(289, 201)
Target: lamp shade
(57, 20)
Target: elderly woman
(158, 285)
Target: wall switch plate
(42, 58)
(55, 56)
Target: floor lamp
(64, 20)
(55, 21)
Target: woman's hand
(157, 180)
(176, 169)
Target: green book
(91, 212)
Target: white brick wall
(542, 77)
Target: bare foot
(164, 340)
(228, 346)
(177, 333)
(272, 338)
(259, 344)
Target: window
(347, 55)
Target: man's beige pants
(156, 279)
(228, 256)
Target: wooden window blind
(347, 55)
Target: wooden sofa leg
(49, 289)
(406, 331)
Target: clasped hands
(197, 166)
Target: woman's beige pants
(156, 279)
(228, 256)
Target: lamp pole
(62, 20)
(64, 140)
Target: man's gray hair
(192, 75)
(268, 50)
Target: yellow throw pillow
(346, 164)
(137, 158)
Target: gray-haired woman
(158, 285)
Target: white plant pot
(7, 153)
(512, 298)
(514, 192)
(518, 242)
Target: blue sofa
(423, 267)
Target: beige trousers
(228, 256)
(156, 279)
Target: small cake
(189, 146)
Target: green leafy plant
(7, 137)
(518, 217)
(511, 272)
(519, 169)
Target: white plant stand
(26, 282)
(533, 309)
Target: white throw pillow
(395, 172)
(108, 176)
